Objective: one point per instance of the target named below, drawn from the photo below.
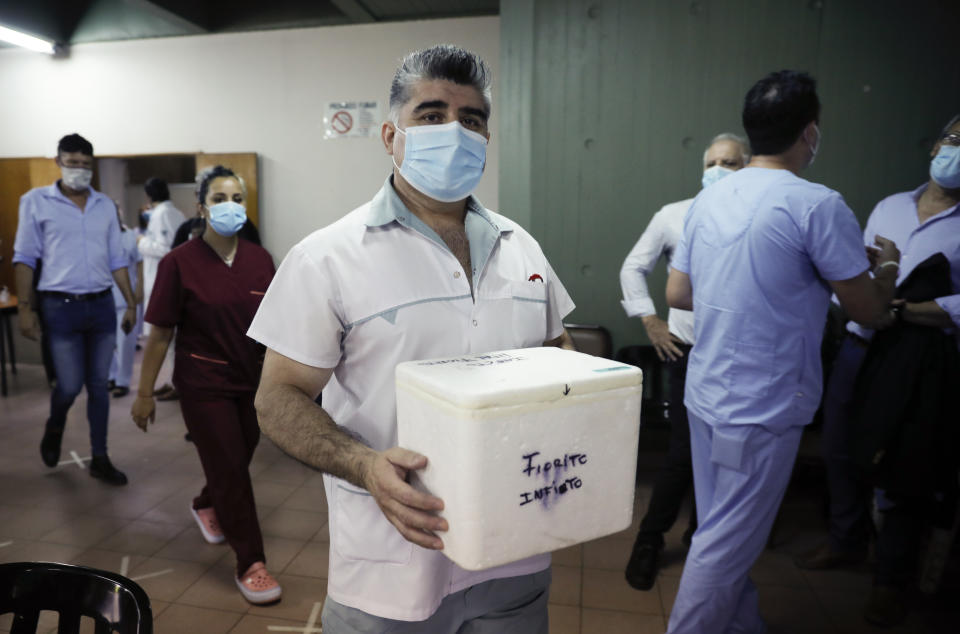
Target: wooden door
(14, 183)
(17, 177)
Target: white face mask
(76, 178)
(712, 174)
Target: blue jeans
(82, 337)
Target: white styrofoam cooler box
(531, 450)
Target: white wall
(248, 92)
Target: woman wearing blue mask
(207, 291)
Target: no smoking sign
(352, 119)
(341, 122)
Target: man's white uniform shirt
(376, 288)
(165, 219)
(661, 237)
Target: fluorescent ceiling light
(26, 41)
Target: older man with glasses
(923, 222)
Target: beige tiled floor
(61, 514)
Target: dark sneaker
(885, 607)
(50, 447)
(102, 469)
(169, 395)
(644, 564)
(120, 391)
(825, 557)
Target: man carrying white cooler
(421, 271)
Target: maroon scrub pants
(225, 433)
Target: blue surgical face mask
(444, 162)
(712, 174)
(226, 218)
(945, 167)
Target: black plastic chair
(115, 603)
(591, 339)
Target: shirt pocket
(361, 532)
(753, 368)
(529, 313)
(208, 359)
(199, 370)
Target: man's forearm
(122, 278)
(926, 314)
(305, 431)
(885, 285)
(24, 277)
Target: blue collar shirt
(80, 248)
(896, 218)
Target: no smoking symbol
(341, 121)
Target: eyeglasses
(951, 138)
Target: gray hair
(949, 125)
(730, 136)
(443, 61)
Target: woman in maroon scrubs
(208, 290)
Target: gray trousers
(515, 605)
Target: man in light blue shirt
(74, 229)
(923, 222)
(760, 252)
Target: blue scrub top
(759, 247)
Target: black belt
(76, 297)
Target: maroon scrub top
(212, 305)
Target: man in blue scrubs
(760, 253)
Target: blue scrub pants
(740, 473)
(513, 605)
(121, 364)
(82, 336)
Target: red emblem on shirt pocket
(535, 277)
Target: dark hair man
(422, 270)
(761, 251)
(74, 229)
(163, 220)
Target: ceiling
(76, 21)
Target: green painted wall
(605, 107)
